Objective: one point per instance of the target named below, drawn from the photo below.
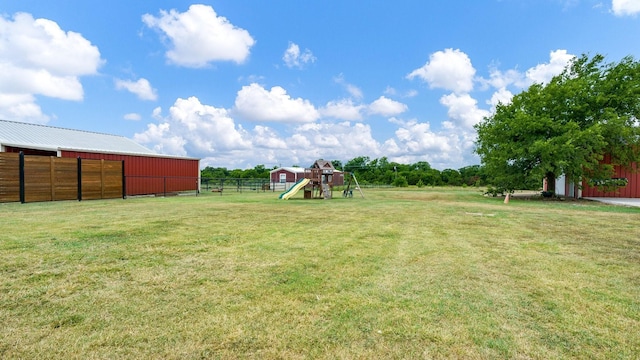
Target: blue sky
(240, 83)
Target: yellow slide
(294, 189)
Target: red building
(145, 171)
(565, 187)
(631, 190)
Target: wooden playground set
(318, 183)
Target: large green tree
(565, 126)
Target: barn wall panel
(632, 190)
(151, 175)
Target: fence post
(79, 178)
(165, 185)
(124, 183)
(21, 176)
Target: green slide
(294, 189)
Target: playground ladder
(326, 191)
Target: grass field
(414, 273)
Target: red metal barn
(145, 171)
(631, 190)
(151, 174)
(284, 177)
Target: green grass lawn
(412, 273)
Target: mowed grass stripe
(412, 273)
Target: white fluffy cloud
(417, 138)
(353, 90)
(502, 81)
(342, 140)
(415, 141)
(387, 107)
(343, 109)
(543, 73)
(199, 36)
(463, 110)
(254, 102)
(502, 95)
(626, 7)
(141, 88)
(195, 129)
(37, 57)
(449, 69)
(132, 117)
(294, 58)
(21, 107)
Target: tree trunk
(551, 182)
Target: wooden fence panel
(65, 184)
(91, 179)
(112, 180)
(49, 178)
(9, 177)
(37, 178)
(101, 179)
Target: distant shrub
(400, 181)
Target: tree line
(375, 172)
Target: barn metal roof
(42, 137)
(291, 169)
(294, 169)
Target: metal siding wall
(632, 190)
(146, 175)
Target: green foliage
(377, 172)
(400, 181)
(258, 172)
(214, 173)
(451, 177)
(420, 184)
(495, 191)
(607, 185)
(565, 127)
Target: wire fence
(184, 185)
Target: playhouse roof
(323, 164)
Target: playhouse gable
(326, 166)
